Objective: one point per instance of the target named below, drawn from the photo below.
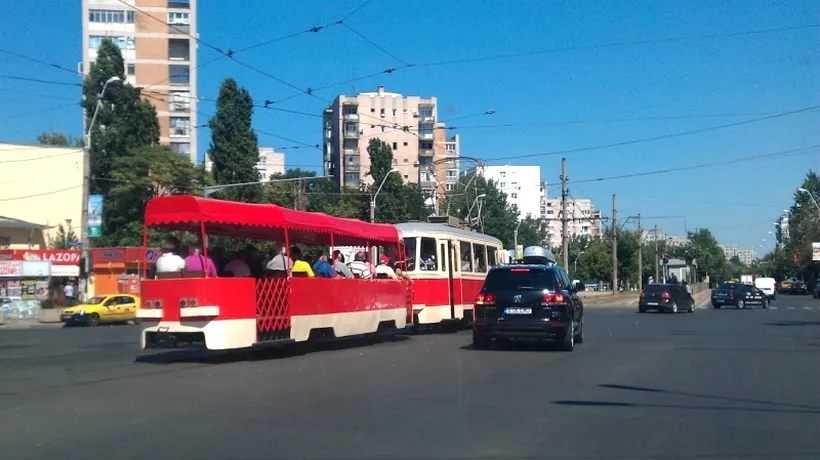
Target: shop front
(23, 285)
(119, 270)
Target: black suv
(528, 302)
(666, 297)
(799, 287)
(739, 296)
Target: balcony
(426, 153)
(427, 136)
(352, 134)
(352, 162)
(183, 107)
(425, 119)
(352, 117)
(427, 184)
(179, 4)
(179, 29)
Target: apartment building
(585, 220)
(652, 234)
(521, 184)
(746, 255)
(270, 163)
(408, 124)
(160, 57)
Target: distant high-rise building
(521, 184)
(270, 163)
(584, 219)
(746, 255)
(160, 57)
(408, 124)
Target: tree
(58, 139)
(396, 201)
(533, 232)
(142, 174)
(704, 249)
(64, 239)
(497, 215)
(234, 151)
(124, 121)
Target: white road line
(772, 308)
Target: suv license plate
(518, 311)
(652, 303)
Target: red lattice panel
(408, 289)
(272, 309)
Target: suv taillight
(483, 299)
(666, 295)
(643, 293)
(554, 299)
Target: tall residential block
(422, 153)
(160, 58)
(521, 184)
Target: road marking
(772, 308)
(806, 308)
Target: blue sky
(581, 97)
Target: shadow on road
(684, 406)
(812, 409)
(517, 345)
(261, 354)
(794, 323)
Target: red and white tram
(447, 266)
(241, 312)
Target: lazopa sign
(55, 256)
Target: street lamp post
(87, 187)
(575, 264)
(515, 239)
(802, 190)
(373, 198)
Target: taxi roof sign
(538, 255)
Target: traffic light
(666, 259)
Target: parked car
(666, 297)
(798, 287)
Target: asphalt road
(716, 384)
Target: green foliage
(318, 195)
(396, 201)
(64, 237)
(139, 176)
(124, 122)
(533, 232)
(234, 151)
(58, 139)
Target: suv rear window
(520, 278)
(656, 288)
(728, 286)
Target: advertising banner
(95, 210)
(815, 252)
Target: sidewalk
(15, 324)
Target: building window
(179, 49)
(452, 173)
(394, 112)
(450, 187)
(128, 43)
(503, 184)
(382, 128)
(395, 145)
(405, 176)
(115, 16)
(179, 101)
(513, 195)
(180, 127)
(130, 16)
(132, 69)
(351, 178)
(179, 75)
(175, 18)
(182, 148)
(405, 144)
(503, 174)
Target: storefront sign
(95, 210)
(55, 256)
(11, 268)
(125, 255)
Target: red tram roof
(262, 221)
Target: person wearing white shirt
(384, 268)
(169, 261)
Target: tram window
(454, 256)
(443, 257)
(411, 253)
(429, 260)
(492, 256)
(480, 258)
(467, 260)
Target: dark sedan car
(739, 296)
(666, 297)
(799, 287)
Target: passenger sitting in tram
(429, 263)
(238, 267)
(322, 267)
(299, 264)
(359, 267)
(339, 265)
(196, 262)
(279, 261)
(169, 261)
(383, 270)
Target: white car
(767, 285)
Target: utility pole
(564, 218)
(657, 257)
(640, 254)
(614, 247)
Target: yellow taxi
(786, 285)
(113, 308)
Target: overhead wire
(36, 195)
(39, 80)
(39, 61)
(656, 138)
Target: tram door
(451, 256)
